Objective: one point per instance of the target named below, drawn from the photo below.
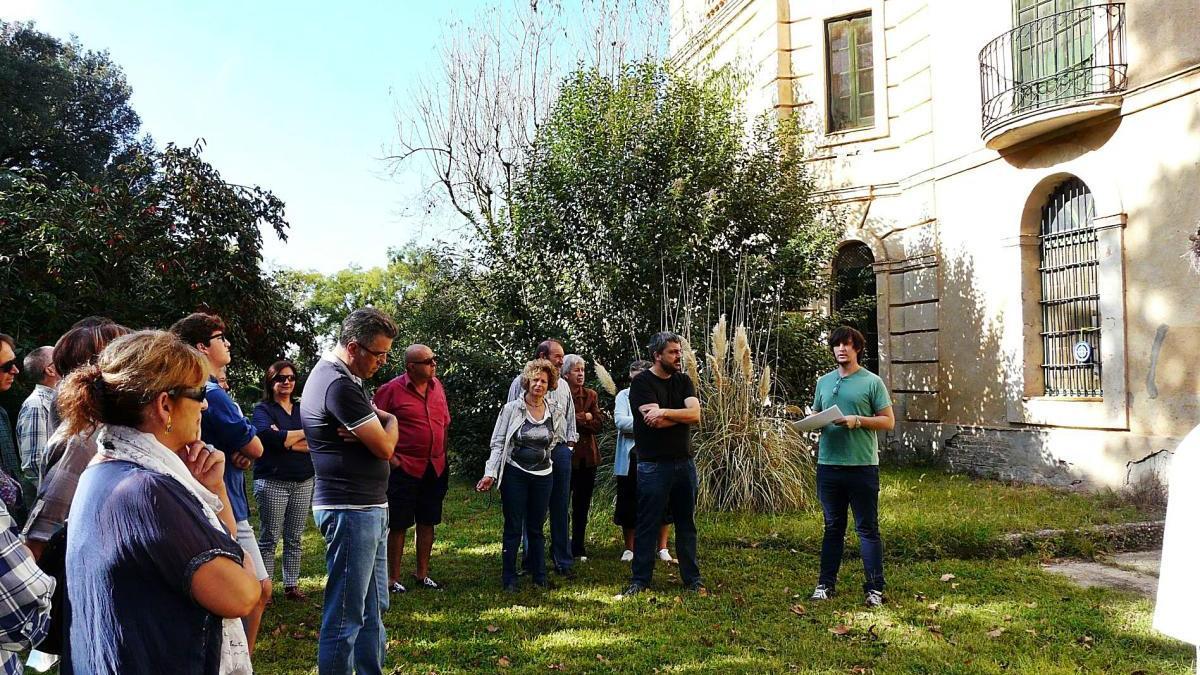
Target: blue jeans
(560, 516)
(662, 485)
(525, 498)
(858, 488)
(356, 595)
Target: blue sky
(298, 97)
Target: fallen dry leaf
(504, 662)
(1008, 617)
(1031, 631)
(920, 597)
(678, 600)
(953, 586)
(703, 592)
(995, 633)
(557, 666)
(935, 606)
(935, 629)
(798, 610)
(948, 577)
(840, 629)
(1031, 605)
(601, 659)
(858, 670)
(492, 628)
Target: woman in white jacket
(1176, 612)
(527, 430)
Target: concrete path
(1135, 572)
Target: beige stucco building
(1021, 177)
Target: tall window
(854, 296)
(1052, 51)
(850, 73)
(1070, 297)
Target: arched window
(854, 296)
(1070, 299)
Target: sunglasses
(9, 366)
(194, 393)
(431, 361)
(372, 352)
(220, 336)
(283, 378)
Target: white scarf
(130, 445)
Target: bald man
(420, 476)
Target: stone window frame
(1028, 405)
(822, 12)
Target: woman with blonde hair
(527, 430)
(157, 582)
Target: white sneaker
(665, 555)
(627, 556)
(874, 599)
(822, 592)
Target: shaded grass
(759, 569)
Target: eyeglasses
(838, 385)
(221, 336)
(9, 366)
(194, 393)
(283, 378)
(431, 361)
(379, 355)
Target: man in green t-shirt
(848, 462)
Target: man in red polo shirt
(419, 477)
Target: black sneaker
(698, 587)
(822, 592)
(565, 572)
(546, 584)
(510, 587)
(632, 589)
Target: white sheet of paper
(818, 420)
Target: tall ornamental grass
(747, 455)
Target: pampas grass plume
(606, 380)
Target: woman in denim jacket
(526, 432)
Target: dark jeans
(858, 488)
(661, 486)
(525, 498)
(583, 484)
(560, 506)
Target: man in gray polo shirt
(350, 442)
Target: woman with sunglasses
(283, 476)
(158, 584)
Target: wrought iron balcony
(1053, 71)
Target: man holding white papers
(848, 463)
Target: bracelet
(857, 422)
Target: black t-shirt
(673, 442)
(347, 473)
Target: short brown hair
(844, 334)
(537, 367)
(197, 328)
(128, 374)
(7, 339)
(364, 324)
(83, 343)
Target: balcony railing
(1062, 59)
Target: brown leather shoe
(294, 593)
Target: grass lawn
(998, 613)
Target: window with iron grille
(850, 72)
(1070, 298)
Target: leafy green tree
(439, 300)
(646, 205)
(63, 109)
(159, 236)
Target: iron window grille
(1070, 299)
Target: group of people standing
(128, 487)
